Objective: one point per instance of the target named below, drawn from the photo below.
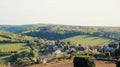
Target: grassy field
(6, 47)
(86, 40)
(3, 38)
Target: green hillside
(3, 38)
(58, 32)
(4, 59)
(6, 47)
(86, 40)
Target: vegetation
(118, 63)
(57, 32)
(7, 37)
(4, 59)
(22, 45)
(8, 47)
(84, 61)
(87, 40)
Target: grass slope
(4, 59)
(6, 47)
(86, 40)
(3, 38)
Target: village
(57, 49)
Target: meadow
(6, 47)
(3, 38)
(86, 40)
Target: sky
(68, 12)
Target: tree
(35, 53)
(117, 53)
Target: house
(98, 48)
(80, 48)
(106, 49)
(51, 43)
(57, 53)
(114, 45)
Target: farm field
(86, 40)
(6, 47)
(3, 38)
(70, 64)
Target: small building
(58, 53)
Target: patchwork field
(6, 47)
(86, 40)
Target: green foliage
(35, 53)
(7, 37)
(84, 61)
(117, 53)
(24, 61)
(57, 32)
(23, 54)
(118, 63)
(4, 59)
(80, 53)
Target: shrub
(84, 61)
(118, 63)
(24, 61)
(4, 54)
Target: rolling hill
(59, 32)
(86, 40)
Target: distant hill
(7, 37)
(59, 32)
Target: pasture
(3, 38)
(86, 40)
(6, 47)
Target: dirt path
(105, 64)
(70, 64)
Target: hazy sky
(71, 12)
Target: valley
(40, 43)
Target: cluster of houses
(52, 50)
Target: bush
(117, 53)
(118, 63)
(4, 54)
(24, 61)
(84, 61)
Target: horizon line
(59, 24)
